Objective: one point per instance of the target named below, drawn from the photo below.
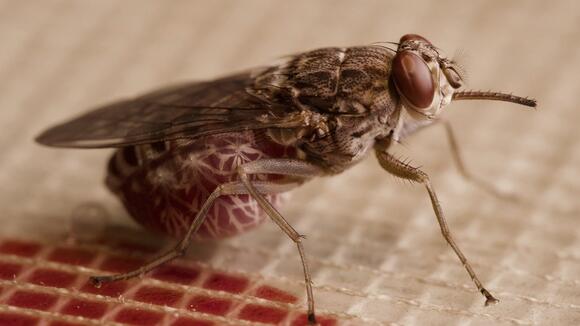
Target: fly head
(427, 80)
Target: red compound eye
(413, 37)
(413, 79)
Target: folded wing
(189, 110)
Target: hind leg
(300, 170)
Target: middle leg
(283, 167)
(465, 173)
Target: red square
(263, 314)
(110, 289)
(182, 321)
(9, 271)
(227, 283)
(19, 248)
(273, 294)
(64, 323)
(134, 316)
(32, 300)
(119, 264)
(71, 256)
(51, 277)
(15, 319)
(210, 305)
(85, 308)
(157, 295)
(134, 247)
(176, 274)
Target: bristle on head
(460, 60)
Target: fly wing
(185, 111)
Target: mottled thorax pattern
(349, 87)
(334, 80)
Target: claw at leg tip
(489, 299)
(96, 281)
(311, 319)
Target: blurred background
(376, 253)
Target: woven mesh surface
(41, 282)
(376, 251)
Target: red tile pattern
(51, 277)
(85, 308)
(71, 256)
(270, 315)
(227, 283)
(120, 264)
(9, 271)
(49, 280)
(176, 274)
(64, 323)
(273, 294)
(14, 319)
(157, 295)
(32, 300)
(210, 305)
(20, 248)
(136, 316)
(181, 321)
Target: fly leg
(284, 167)
(465, 173)
(294, 168)
(232, 188)
(405, 171)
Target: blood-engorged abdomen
(164, 190)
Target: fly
(211, 159)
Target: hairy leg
(293, 168)
(405, 171)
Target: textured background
(373, 242)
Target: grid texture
(376, 252)
(49, 283)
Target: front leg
(465, 173)
(405, 171)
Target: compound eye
(413, 79)
(413, 37)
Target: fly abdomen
(163, 186)
(127, 160)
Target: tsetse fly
(210, 159)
